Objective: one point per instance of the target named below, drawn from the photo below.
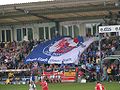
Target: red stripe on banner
(64, 78)
(68, 79)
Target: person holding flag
(62, 66)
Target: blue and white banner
(57, 50)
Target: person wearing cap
(99, 86)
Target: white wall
(34, 26)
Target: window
(94, 29)
(64, 31)
(30, 34)
(8, 35)
(88, 31)
(47, 32)
(76, 30)
(52, 32)
(3, 35)
(70, 30)
(41, 33)
(19, 38)
(24, 32)
(0, 36)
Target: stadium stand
(90, 68)
(12, 56)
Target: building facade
(44, 31)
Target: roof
(58, 10)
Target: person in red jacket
(99, 86)
(44, 84)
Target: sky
(4, 2)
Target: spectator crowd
(12, 55)
(92, 68)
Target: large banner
(57, 50)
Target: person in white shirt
(32, 86)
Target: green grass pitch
(64, 86)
